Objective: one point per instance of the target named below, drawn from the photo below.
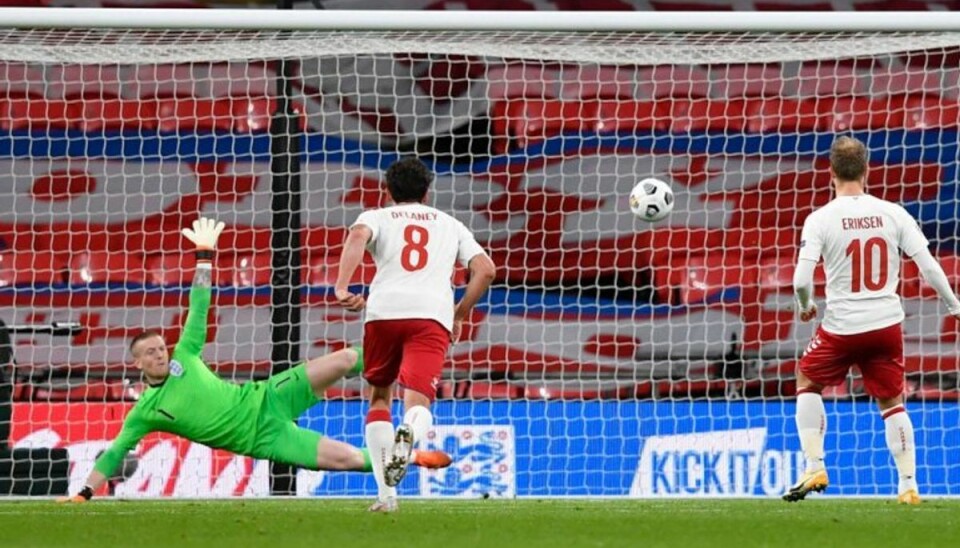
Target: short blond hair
(848, 159)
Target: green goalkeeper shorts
(279, 439)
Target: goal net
(612, 357)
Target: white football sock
(899, 429)
(379, 437)
(812, 427)
(420, 420)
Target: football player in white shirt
(410, 314)
(860, 239)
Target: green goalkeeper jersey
(192, 402)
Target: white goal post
(611, 358)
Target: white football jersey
(860, 239)
(415, 248)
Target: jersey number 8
(413, 257)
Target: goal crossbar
(397, 20)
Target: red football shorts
(879, 354)
(410, 352)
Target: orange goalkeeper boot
(816, 481)
(431, 459)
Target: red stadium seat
(662, 246)
(612, 346)
(673, 81)
(115, 114)
(922, 112)
(323, 271)
(484, 390)
(935, 364)
(450, 76)
(924, 392)
(460, 276)
(598, 82)
(253, 115)
(21, 392)
(706, 115)
(776, 114)
(746, 81)
(102, 267)
(530, 80)
(237, 79)
(252, 269)
(181, 114)
(858, 113)
(571, 390)
(762, 243)
(703, 279)
(36, 114)
(532, 120)
(906, 80)
(83, 81)
(936, 58)
(248, 270)
(21, 80)
(31, 268)
(776, 276)
(909, 280)
(176, 269)
(632, 116)
(89, 392)
(951, 267)
(162, 82)
(828, 79)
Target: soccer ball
(651, 200)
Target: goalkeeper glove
(84, 495)
(204, 235)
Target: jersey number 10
(413, 257)
(862, 263)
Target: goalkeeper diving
(255, 419)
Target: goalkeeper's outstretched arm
(204, 235)
(134, 429)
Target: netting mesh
(611, 357)
(178, 46)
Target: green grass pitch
(493, 523)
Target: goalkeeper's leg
(309, 449)
(326, 370)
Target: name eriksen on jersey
(422, 216)
(861, 223)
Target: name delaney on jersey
(414, 215)
(862, 223)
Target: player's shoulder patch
(176, 368)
